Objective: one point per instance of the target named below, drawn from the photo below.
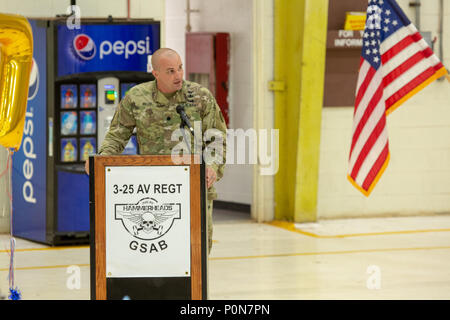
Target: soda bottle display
(88, 149)
(87, 99)
(68, 123)
(69, 152)
(88, 96)
(69, 96)
(68, 99)
(88, 122)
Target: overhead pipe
(188, 15)
(418, 4)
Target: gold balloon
(16, 56)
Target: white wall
(139, 9)
(98, 8)
(235, 17)
(417, 179)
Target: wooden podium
(148, 228)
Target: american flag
(395, 64)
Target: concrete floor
(374, 258)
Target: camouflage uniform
(155, 118)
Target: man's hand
(86, 166)
(210, 176)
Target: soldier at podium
(150, 107)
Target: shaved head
(168, 70)
(161, 53)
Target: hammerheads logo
(147, 219)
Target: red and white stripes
(407, 65)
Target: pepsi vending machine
(77, 80)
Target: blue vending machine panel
(106, 47)
(73, 202)
(29, 172)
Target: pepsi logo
(84, 47)
(33, 84)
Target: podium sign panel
(148, 228)
(148, 221)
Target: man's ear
(155, 73)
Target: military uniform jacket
(155, 119)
